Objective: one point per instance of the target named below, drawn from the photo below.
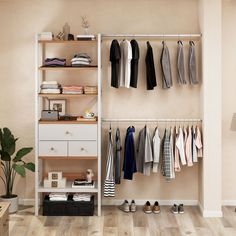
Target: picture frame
(58, 105)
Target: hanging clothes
(134, 63)
(150, 68)
(156, 150)
(192, 64)
(118, 149)
(115, 63)
(194, 148)
(172, 153)
(166, 67)
(180, 64)
(109, 184)
(180, 144)
(129, 165)
(198, 142)
(188, 148)
(144, 152)
(167, 165)
(125, 63)
(176, 150)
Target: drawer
(52, 148)
(67, 132)
(82, 148)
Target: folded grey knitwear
(50, 86)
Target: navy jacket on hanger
(129, 166)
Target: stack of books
(45, 36)
(83, 183)
(86, 37)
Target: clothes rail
(161, 36)
(151, 120)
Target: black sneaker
(174, 209)
(181, 208)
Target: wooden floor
(115, 222)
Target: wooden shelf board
(68, 158)
(67, 41)
(61, 95)
(92, 67)
(66, 122)
(67, 189)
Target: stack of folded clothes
(50, 87)
(82, 197)
(55, 62)
(90, 89)
(81, 59)
(72, 89)
(58, 196)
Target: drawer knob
(82, 149)
(52, 148)
(67, 132)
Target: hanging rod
(161, 36)
(151, 120)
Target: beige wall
(229, 98)
(21, 19)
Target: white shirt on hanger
(180, 146)
(125, 63)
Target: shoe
(124, 206)
(147, 207)
(133, 206)
(156, 208)
(181, 209)
(174, 209)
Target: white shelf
(67, 189)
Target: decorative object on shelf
(89, 175)
(50, 115)
(12, 163)
(88, 114)
(71, 37)
(68, 118)
(85, 25)
(58, 105)
(54, 180)
(60, 36)
(45, 36)
(66, 31)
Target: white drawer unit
(68, 132)
(82, 148)
(53, 148)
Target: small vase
(86, 31)
(13, 203)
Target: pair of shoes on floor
(177, 209)
(149, 209)
(128, 208)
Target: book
(85, 37)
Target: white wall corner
(209, 214)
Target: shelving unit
(74, 140)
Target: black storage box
(68, 208)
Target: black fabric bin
(68, 208)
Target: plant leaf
(20, 169)
(22, 152)
(8, 141)
(5, 156)
(30, 166)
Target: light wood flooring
(115, 222)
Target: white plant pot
(13, 201)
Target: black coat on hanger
(150, 68)
(134, 63)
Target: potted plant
(12, 163)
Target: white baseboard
(229, 203)
(141, 202)
(209, 214)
